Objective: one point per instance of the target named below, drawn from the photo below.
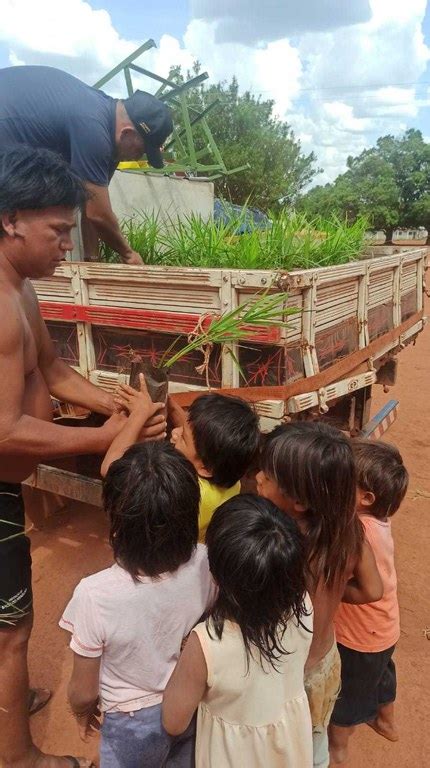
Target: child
(221, 438)
(308, 472)
(367, 634)
(243, 667)
(128, 621)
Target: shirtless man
(39, 194)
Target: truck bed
(352, 319)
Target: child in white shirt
(128, 622)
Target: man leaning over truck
(38, 197)
(47, 108)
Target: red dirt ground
(74, 544)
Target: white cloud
(273, 70)
(341, 78)
(361, 82)
(69, 34)
(251, 21)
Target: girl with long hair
(243, 668)
(308, 471)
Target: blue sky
(341, 77)
(134, 19)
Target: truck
(351, 322)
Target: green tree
(247, 132)
(388, 183)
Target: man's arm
(27, 436)
(66, 384)
(99, 213)
(70, 387)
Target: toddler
(367, 634)
(220, 436)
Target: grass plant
(263, 310)
(293, 241)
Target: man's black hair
(152, 497)
(34, 179)
(226, 436)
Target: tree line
(389, 183)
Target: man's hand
(132, 257)
(88, 722)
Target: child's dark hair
(257, 558)
(381, 471)
(226, 436)
(152, 497)
(313, 464)
(33, 179)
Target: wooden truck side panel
(100, 313)
(352, 321)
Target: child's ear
(365, 498)
(299, 508)
(202, 471)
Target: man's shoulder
(10, 317)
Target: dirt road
(74, 544)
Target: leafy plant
(263, 310)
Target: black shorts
(16, 597)
(368, 680)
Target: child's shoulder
(199, 559)
(372, 523)
(104, 580)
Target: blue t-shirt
(45, 107)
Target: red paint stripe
(140, 319)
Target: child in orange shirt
(367, 634)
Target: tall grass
(293, 241)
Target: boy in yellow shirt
(220, 435)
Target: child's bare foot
(38, 759)
(384, 729)
(338, 756)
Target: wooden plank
(336, 372)
(67, 484)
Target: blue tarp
(252, 217)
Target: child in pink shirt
(128, 621)
(367, 634)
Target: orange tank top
(375, 626)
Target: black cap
(153, 120)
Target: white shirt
(137, 627)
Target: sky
(341, 72)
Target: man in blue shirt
(46, 108)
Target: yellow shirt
(211, 496)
